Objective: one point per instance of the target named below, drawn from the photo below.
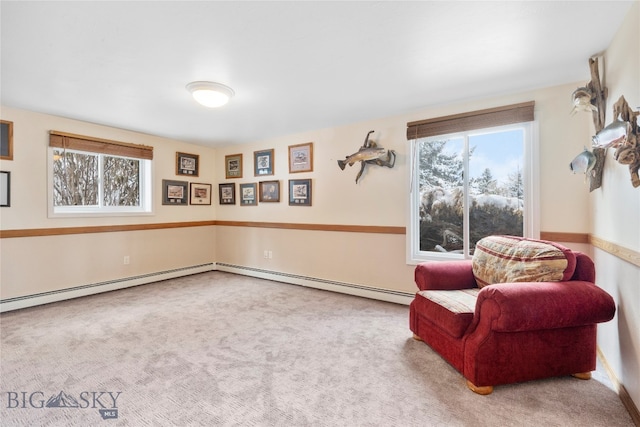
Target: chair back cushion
(508, 259)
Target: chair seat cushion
(509, 259)
(452, 311)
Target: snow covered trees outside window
(87, 179)
(89, 183)
(483, 169)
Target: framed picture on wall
(200, 194)
(263, 162)
(6, 140)
(175, 192)
(299, 192)
(233, 166)
(5, 189)
(248, 194)
(187, 164)
(227, 193)
(301, 158)
(269, 191)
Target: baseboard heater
(16, 303)
(95, 288)
(314, 282)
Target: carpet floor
(218, 349)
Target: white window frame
(531, 218)
(146, 202)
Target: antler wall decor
(599, 100)
(628, 147)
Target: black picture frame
(200, 194)
(249, 194)
(5, 189)
(299, 192)
(175, 193)
(227, 193)
(187, 164)
(263, 162)
(269, 191)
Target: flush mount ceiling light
(210, 94)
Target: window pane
(440, 164)
(496, 196)
(470, 185)
(121, 181)
(75, 179)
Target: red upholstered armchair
(511, 314)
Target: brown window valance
(97, 145)
(499, 116)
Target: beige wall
(29, 172)
(379, 199)
(39, 264)
(372, 260)
(381, 196)
(615, 211)
(36, 265)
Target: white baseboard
(96, 288)
(17, 303)
(397, 297)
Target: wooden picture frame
(269, 191)
(227, 193)
(233, 166)
(249, 194)
(299, 192)
(175, 193)
(301, 158)
(187, 164)
(200, 194)
(5, 189)
(6, 140)
(263, 162)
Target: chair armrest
(513, 307)
(445, 275)
(585, 269)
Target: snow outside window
(469, 185)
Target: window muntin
(468, 185)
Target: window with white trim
(91, 176)
(472, 175)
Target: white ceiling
(295, 66)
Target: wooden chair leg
(417, 338)
(582, 375)
(483, 391)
